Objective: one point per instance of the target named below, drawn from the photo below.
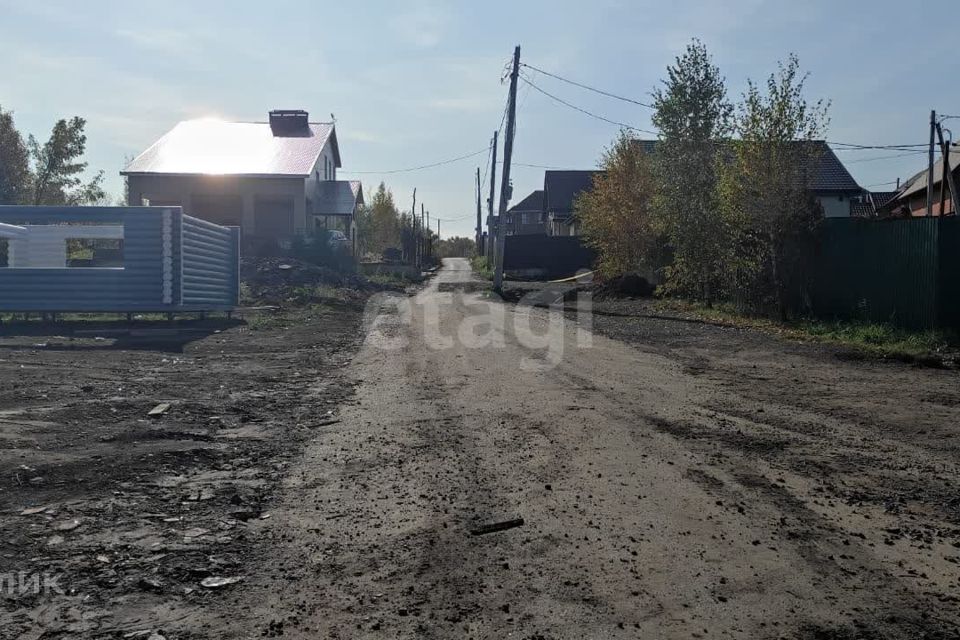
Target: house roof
(235, 148)
(533, 202)
(861, 210)
(337, 197)
(918, 182)
(880, 198)
(561, 188)
(831, 174)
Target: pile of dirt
(279, 281)
(629, 285)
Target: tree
(766, 189)
(14, 163)
(379, 224)
(615, 215)
(693, 116)
(456, 247)
(57, 167)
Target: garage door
(219, 209)
(273, 217)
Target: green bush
(482, 267)
(315, 249)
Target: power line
(584, 111)
(880, 184)
(898, 155)
(587, 87)
(539, 166)
(425, 166)
(849, 146)
(486, 165)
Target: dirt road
(675, 479)
(667, 490)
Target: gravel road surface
(695, 483)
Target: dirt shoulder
(123, 516)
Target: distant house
(832, 186)
(274, 179)
(526, 217)
(871, 204)
(560, 190)
(911, 199)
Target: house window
(60, 246)
(95, 252)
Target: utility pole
(438, 231)
(933, 125)
(413, 226)
(505, 184)
(429, 243)
(478, 239)
(493, 180)
(423, 244)
(948, 176)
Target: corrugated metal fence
(171, 262)
(549, 256)
(902, 271)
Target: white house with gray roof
(273, 179)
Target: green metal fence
(904, 271)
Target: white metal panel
(45, 246)
(12, 231)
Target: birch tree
(693, 116)
(766, 189)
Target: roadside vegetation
(456, 247)
(482, 267)
(717, 209)
(881, 340)
(384, 231)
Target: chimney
(289, 122)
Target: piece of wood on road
(160, 409)
(493, 527)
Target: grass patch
(482, 267)
(866, 338)
(397, 280)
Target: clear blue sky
(416, 82)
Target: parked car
(338, 240)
